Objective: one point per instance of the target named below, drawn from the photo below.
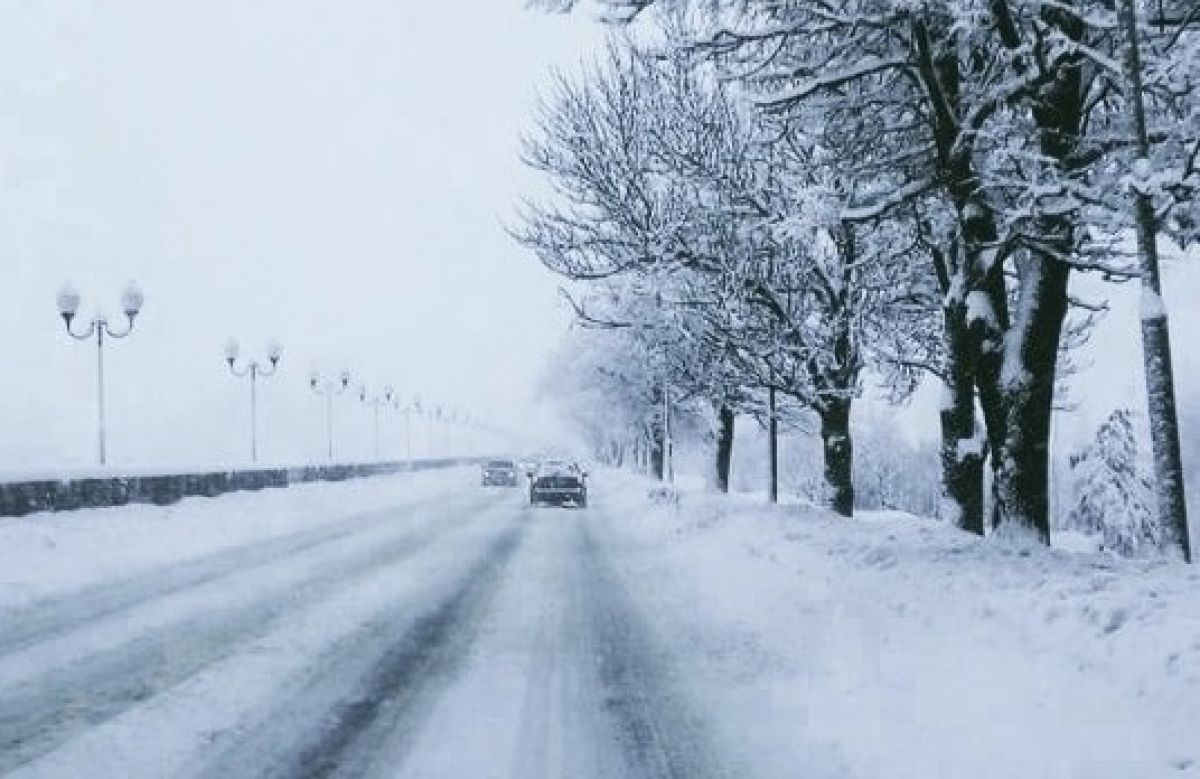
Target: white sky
(335, 174)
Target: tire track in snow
(564, 729)
(42, 621)
(396, 667)
(45, 712)
(661, 736)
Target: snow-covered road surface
(461, 633)
(423, 626)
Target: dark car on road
(500, 473)
(558, 487)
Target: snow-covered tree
(1113, 494)
(996, 132)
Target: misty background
(333, 175)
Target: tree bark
(657, 444)
(962, 452)
(725, 428)
(1030, 348)
(1022, 472)
(839, 455)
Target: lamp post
(405, 415)
(436, 416)
(254, 370)
(329, 389)
(68, 307)
(375, 401)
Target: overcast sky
(334, 174)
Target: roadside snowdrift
(896, 646)
(51, 554)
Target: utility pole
(772, 447)
(1156, 338)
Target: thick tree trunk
(1022, 473)
(658, 459)
(839, 455)
(962, 452)
(772, 448)
(1027, 378)
(725, 427)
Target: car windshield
(500, 464)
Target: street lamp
(68, 306)
(405, 414)
(420, 412)
(329, 389)
(375, 401)
(253, 369)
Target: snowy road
(456, 633)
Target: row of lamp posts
(329, 388)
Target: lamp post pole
(405, 415)
(375, 402)
(68, 307)
(254, 370)
(329, 389)
(418, 412)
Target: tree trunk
(658, 459)
(1022, 473)
(725, 427)
(962, 453)
(1030, 348)
(772, 448)
(839, 455)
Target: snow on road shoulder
(48, 554)
(897, 646)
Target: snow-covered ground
(421, 626)
(48, 554)
(896, 646)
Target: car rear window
(558, 482)
(500, 464)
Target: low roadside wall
(18, 498)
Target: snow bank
(49, 554)
(897, 646)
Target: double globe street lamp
(405, 413)
(253, 369)
(329, 389)
(68, 307)
(376, 402)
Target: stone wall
(26, 497)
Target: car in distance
(500, 473)
(558, 487)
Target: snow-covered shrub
(1113, 495)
